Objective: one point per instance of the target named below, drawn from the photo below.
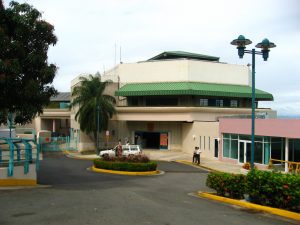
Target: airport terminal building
(175, 100)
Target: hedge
(228, 185)
(125, 166)
(263, 187)
(274, 189)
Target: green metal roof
(191, 88)
(181, 54)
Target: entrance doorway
(244, 151)
(216, 153)
(151, 140)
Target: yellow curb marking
(192, 164)
(279, 212)
(17, 182)
(93, 168)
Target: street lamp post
(265, 46)
(98, 112)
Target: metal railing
(18, 152)
(56, 144)
(293, 167)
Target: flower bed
(264, 188)
(138, 163)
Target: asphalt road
(78, 196)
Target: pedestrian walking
(194, 155)
(197, 155)
(119, 149)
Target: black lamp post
(265, 45)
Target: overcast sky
(88, 30)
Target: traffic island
(245, 204)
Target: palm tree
(93, 105)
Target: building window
(233, 103)
(200, 142)
(208, 143)
(219, 103)
(265, 148)
(203, 102)
(204, 142)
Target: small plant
(246, 166)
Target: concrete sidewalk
(172, 155)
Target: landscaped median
(131, 165)
(242, 203)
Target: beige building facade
(174, 100)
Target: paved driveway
(78, 196)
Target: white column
(53, 125)
(286, 158)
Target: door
(244, 151)
(216, 153)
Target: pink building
(274, 138)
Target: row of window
(265, 148)
(218, 102)
(203, 144)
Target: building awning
(191, 88)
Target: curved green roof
(191, 88)
(185, 55)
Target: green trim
(191, 88)
(182, 54)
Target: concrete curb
(17, 182)
(194, 165)
(275, 211)
(148, 173)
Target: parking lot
(71, 194)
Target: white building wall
(213, 72)
(178, 71)
(191, 133)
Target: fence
(293, 167)
(57, 144)
(18, 152)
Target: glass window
(203, 102)
(258, 152)
(233, 103)
(226, 135)
(200, 142)
(234, 136)
(234, 149)
(267, 149)
(245, 137)
(219, 102)
(277, 148)
(294, 150)
(226, 146)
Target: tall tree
(92, 104)
(25, 75)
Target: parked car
(127, 150)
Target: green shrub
(274, 189)
(125, 166)
(265, 188)
(228, 185)
(130, 158)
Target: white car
(127, 150)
